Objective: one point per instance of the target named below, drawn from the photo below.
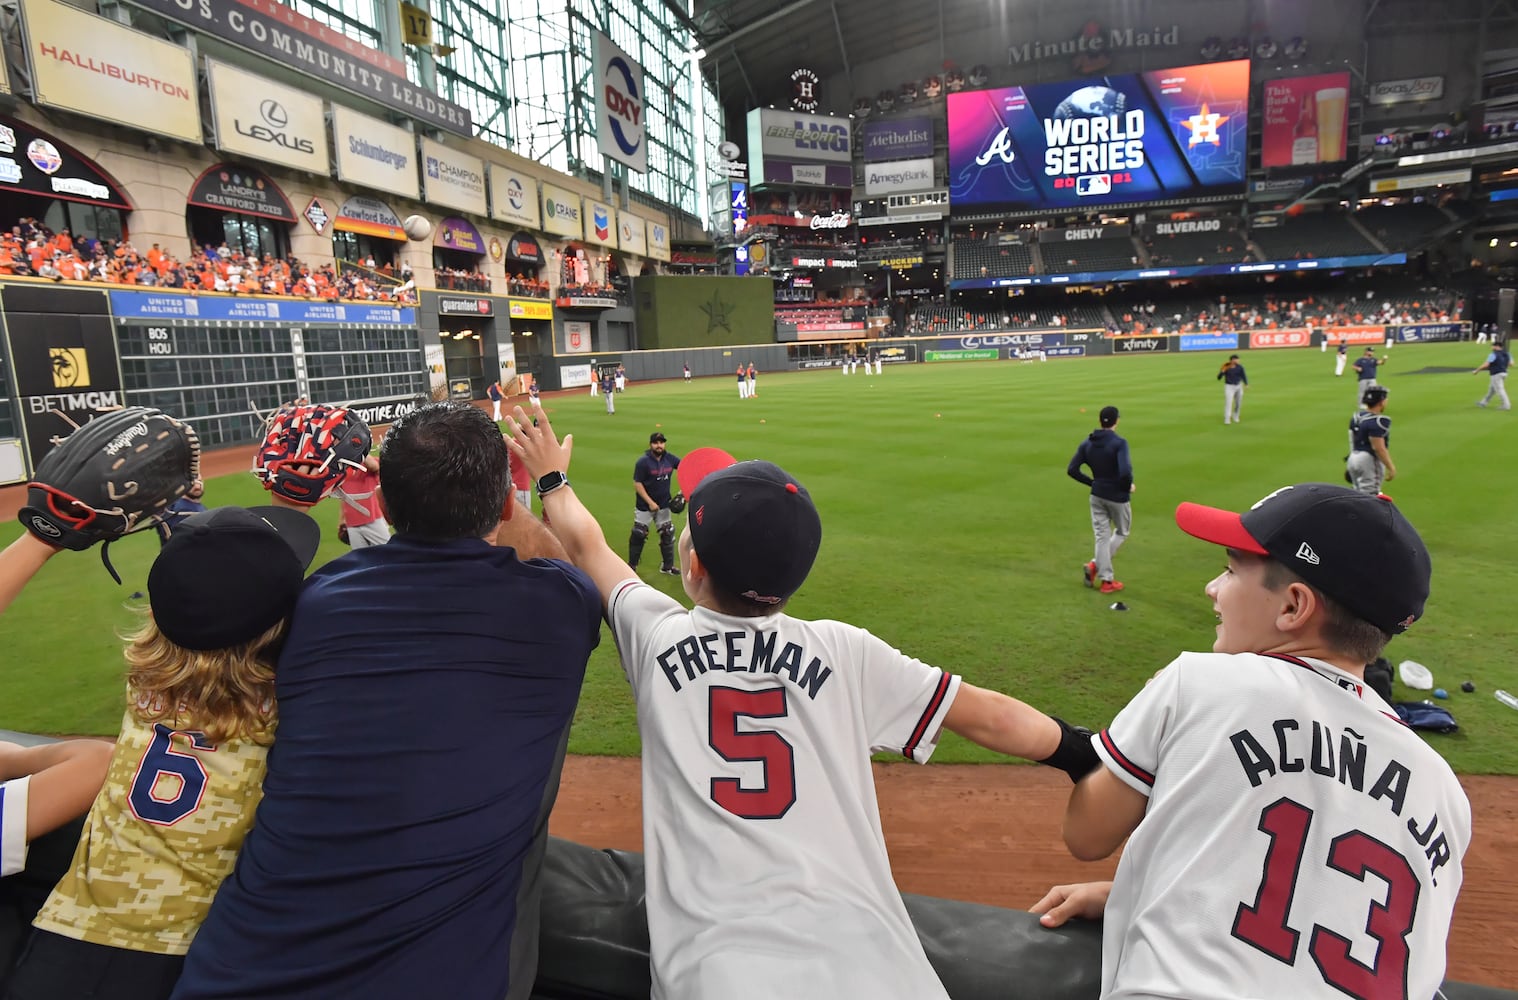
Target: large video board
(1171, 133)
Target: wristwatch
(551, 482)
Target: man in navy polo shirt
(1496, 365)
(425, 695)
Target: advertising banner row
(100, 68)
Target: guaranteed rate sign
(1130, 138)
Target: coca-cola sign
(838, 220)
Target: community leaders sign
(102, 69)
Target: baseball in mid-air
(417, 227)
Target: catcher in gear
(115, 475)
(308, 451)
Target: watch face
(552, 481)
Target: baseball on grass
(417, 227)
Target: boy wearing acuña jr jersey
(767, 870)
(1290, 836)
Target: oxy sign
(621, 130)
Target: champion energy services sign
(452, 179)
(102, 69)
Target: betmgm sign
(65, 363)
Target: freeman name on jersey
(742, 652)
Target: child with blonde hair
(188, 768)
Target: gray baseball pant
(1110, 523)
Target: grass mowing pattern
(951, 530)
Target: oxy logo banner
(1123, 138)
(621, 130)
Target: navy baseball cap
(656, 436)
(227, 575)
(1108, 416)
(1356, 548)
(753, 526)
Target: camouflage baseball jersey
(163, 833)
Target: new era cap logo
(1306, 554)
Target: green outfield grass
(951, 530)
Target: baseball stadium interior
(217, 208)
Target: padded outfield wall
(699, 311)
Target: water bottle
(1511, 701)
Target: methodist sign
(102, 69)
(257, 117)
(452, 179)
(279, 34)
(374, 154)
(621, 101)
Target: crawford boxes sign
(278, 33)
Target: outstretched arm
(19, 562)
(66, 777)
(1002, 723)
(585, 544)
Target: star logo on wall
(716, 314)
(1204, 127)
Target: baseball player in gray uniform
(1365, 370)
(1234, 381)
(1496, 364)
(1369, 443)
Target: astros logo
(1204, 127)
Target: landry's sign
(276, 32)
(103, 69)
(232, 187)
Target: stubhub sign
(898, 178)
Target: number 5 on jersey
(774, 798)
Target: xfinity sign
(621, 130)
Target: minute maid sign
(562, 213)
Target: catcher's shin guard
(635, 544)
(667, 544)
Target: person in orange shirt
(65, 241)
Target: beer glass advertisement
(1305, 120)
(1171, 133)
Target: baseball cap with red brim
(1356, 548)
(753, 527)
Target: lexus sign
(254, 116)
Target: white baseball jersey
(767, 873)
(13, 824)
(1299, 840)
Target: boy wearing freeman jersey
(767, 871)
(1290, 837)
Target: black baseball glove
(308, 450)
(115, 475)
(677, 503)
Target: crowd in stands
(459, 280)
(930, 318)
(1226, 246)
(1368, 307)
(527, 287)
(593, 290)
(31, 249)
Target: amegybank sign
(257, 117)
(102, 69)
(898, 178)
(374, 154)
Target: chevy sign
(900, 139)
